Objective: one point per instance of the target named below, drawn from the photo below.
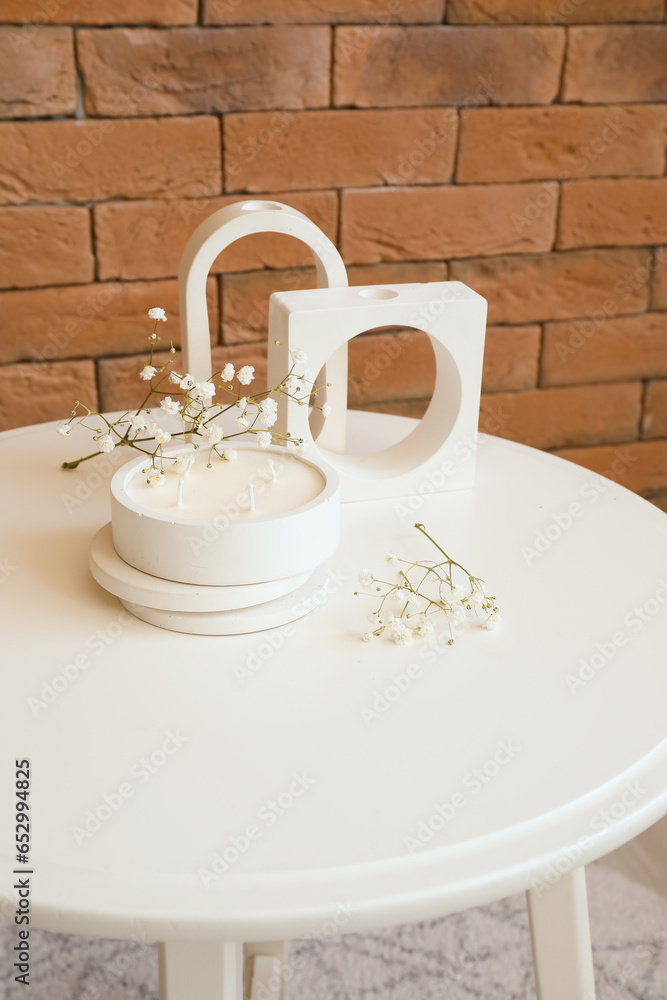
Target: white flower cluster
(425, 591)
(257, 412)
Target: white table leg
(561, 939)
(190, 971)
(265, 970)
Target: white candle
(251, 499)
(223, 489)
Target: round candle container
(223, 533)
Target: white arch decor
(213, 236)
(439, 454)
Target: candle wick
(251, 498)
(179, 494)
(191, 462)
(272, 470)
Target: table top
(254, 787)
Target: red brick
(331, 12)
(390, 366)
(245, 297)
(639, 466)
(518, 144)
(659, 299)
(290, 151)
(613, 212)
(45, 391)
(434, 222)
(203, 69)
(99, 12)
(44, 245)
(552, 11)
(50, 324)
(120, 387)
(558, 285)
(145, 239)
(37, 75)
(654, 424)
(93, 160)
(605, 349)
(442, 65)
(557, 418)
(616, 64)
(511, 358)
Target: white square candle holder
(322, 321)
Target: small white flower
(413, 600)
(308, 375)
(229, 453)
(493, 621)
(106, 443)
(296, 447)
(214, 434)
(365, 578)
(326, 409)
(401, 635)
(375, 620)
(426, 628)
(292, 383)
(64, 429)
(392, 621)
(181, 464)
(175, 378)
(187, 381)
(242, 422)
(227, 373)
(264, 439)
(246, 374)
(268, 412)
(162, 436)
(169, 405)
(155, 478)
(368, 637)
(299, 356)
(152, 428)
(242, 403)
(391, 559)
(401, 595)
(158, 314)
(457, 592)
(147, 372)
(456, 614)
(476, 599)
(138, 421)
(203, 390)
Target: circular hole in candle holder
(389, 356)
(261, 206)
(378, 293)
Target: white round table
(208, 792)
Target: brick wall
(516, 145)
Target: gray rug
(481, 953)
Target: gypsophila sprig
(424, 592)
(198, 405)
